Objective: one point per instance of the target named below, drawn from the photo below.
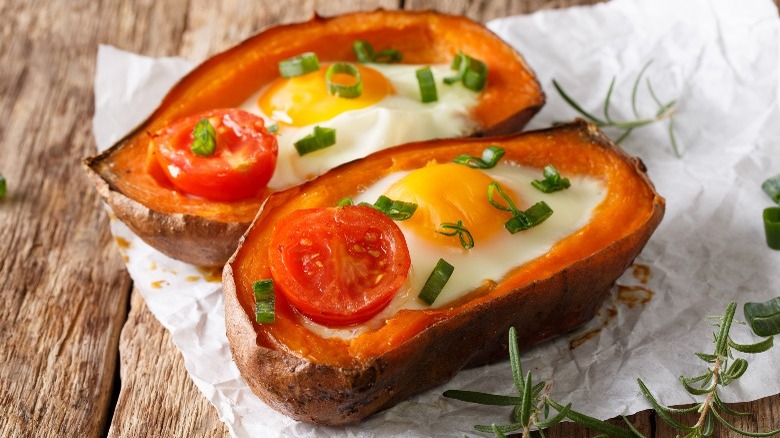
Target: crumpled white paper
(720, 59)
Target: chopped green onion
(521, 220)
(772, 227)
(510, 207)
(2, 186)
(204, 138)
(466, 240)
(264, 301)
(764, 318)
(533, 216)
(365, 53)
(427, 85)
(395, 210)
(490, 157)
(273, 128)
(436, 281)
(471, 72)
(299, 65)
(346, 91)
(772, 188)
(552, 181)
(319, 139)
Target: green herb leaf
(204, 138)
(365, 54)
(593, 423)
(273, 128)
(764, 318)
(552, 181)
(466, 240)
(758, 347)
(490, 157)
(471, 72)
(772, 227)
(772, 188)
(346, 202)
(482, 398)
(427, 85)
(340, 90)
(514, 360)
(500, 429)
(433, 286)
(299, 65)
(319, 139)
(533, 216)
(264, 301)
(2, 186)
(395, 210)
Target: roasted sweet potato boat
(206, 232)
(334, 382)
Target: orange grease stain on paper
(633, 296)
(641, 272)
(630, 296)
(159, 284)
(581, 339)
(192, 278)
(212, 274)
(122, 242)
(153, 266)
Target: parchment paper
(720, 60)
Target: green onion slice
(772, 227)
(436, 281)
(346, 202)
(490, 157)
(533, 216)
(552, 181)
(772, 188)
(395, 210)
(427, 85)
(273, 128)
(466, 239)
(319, 139)
(299, 65)
(471, 72)
(365, 53)
(764, 318)
(2, 186)
(264, 301)
(521, 220)
(347, 91)
(204, 138)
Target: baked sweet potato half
(205, 232)
(336, 380)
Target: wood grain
(64, 294)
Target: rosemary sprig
(718, 374)
(533, 406)
(666, 111)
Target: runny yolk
(304, 100)
(450, 193)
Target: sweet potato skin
(338, 392)
(206, 233)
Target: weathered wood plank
(63, 289)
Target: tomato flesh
(240, 167)
(340, 265)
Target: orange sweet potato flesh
(334, 381)
(206, 232)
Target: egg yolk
(451, 193)
(305, 99)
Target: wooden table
(81, 355)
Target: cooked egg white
(388, 113)
(451, 192)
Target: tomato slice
(339, 265)
(239, 168)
